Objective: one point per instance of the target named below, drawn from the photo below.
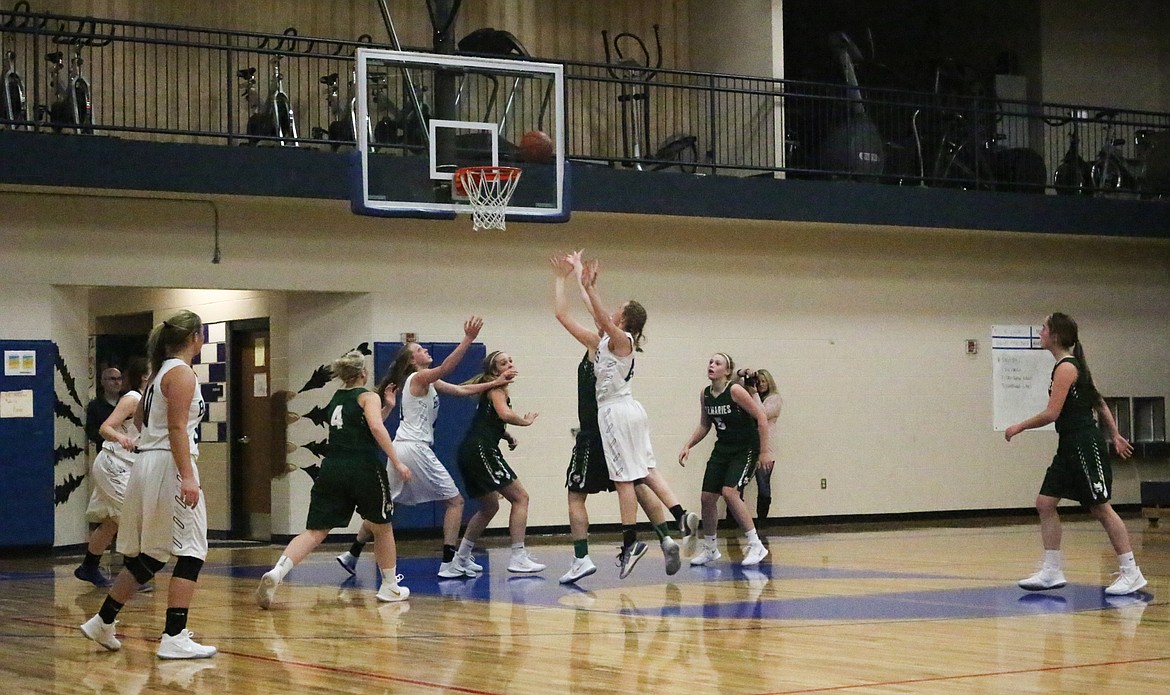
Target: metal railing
(182, 84)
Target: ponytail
(1064, 329)
(168, 337)
(634, 321)
(402, 367)
(1086, 377)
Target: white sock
(1053, 558)
(465, 547)
(1126, 560)
(753, 538)
(709, 540)
(283, 567)
(517, 549)
(390, 575)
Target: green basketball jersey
(733, 424)
(348, 430)
(587, 395)
(486, 425)
(1077, 412)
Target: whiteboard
(1021, 373)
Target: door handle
(243, 440)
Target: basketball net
(488, 190)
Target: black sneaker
(628, 557)
(93, 575)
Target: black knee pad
(143, 567)
(187, 568)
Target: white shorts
(429, 480)
(109, 476)
(154, 520)
(625, 436)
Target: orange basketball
(537, 147)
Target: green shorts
(1080, 470)
(349, 481)
(730, 465)
(483, 467)
(587, 472)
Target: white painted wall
(70, 322)
(864, 328)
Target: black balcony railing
(181, 84)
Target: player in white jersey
(164, 513)
(110, 474)
(419, 385)
(589, 450)
(625, 429)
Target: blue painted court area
(497, 584)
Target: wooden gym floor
(899, 609)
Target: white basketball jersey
(154, 410)
(417, 414)
(127, 428)
(613, 373)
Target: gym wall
(864, 328)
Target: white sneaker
(101, 633)
(582, 567)
(348, 562)
(524, 563)
(670, 551)
(454, 569)
(468, 562)
(1048, 577)
(1129, 580)
(181, 646)
(393, 591)
(707, 554)
(691, 524)
(755, 553)
(466, 565)
(267, 589)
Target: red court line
(348, 672)
(912, 681)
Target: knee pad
(188, 568)
(143, 567)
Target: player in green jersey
(1080, 470)
(741, 431)
(351, 478)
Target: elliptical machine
(635, 75)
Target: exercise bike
(1073, 175)
(72, 105)
(15, 107)
(272, 118)
(1112, 171)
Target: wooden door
(251, 433)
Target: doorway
(252, 461)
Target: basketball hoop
(488, 189)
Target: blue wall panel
(26, 453)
